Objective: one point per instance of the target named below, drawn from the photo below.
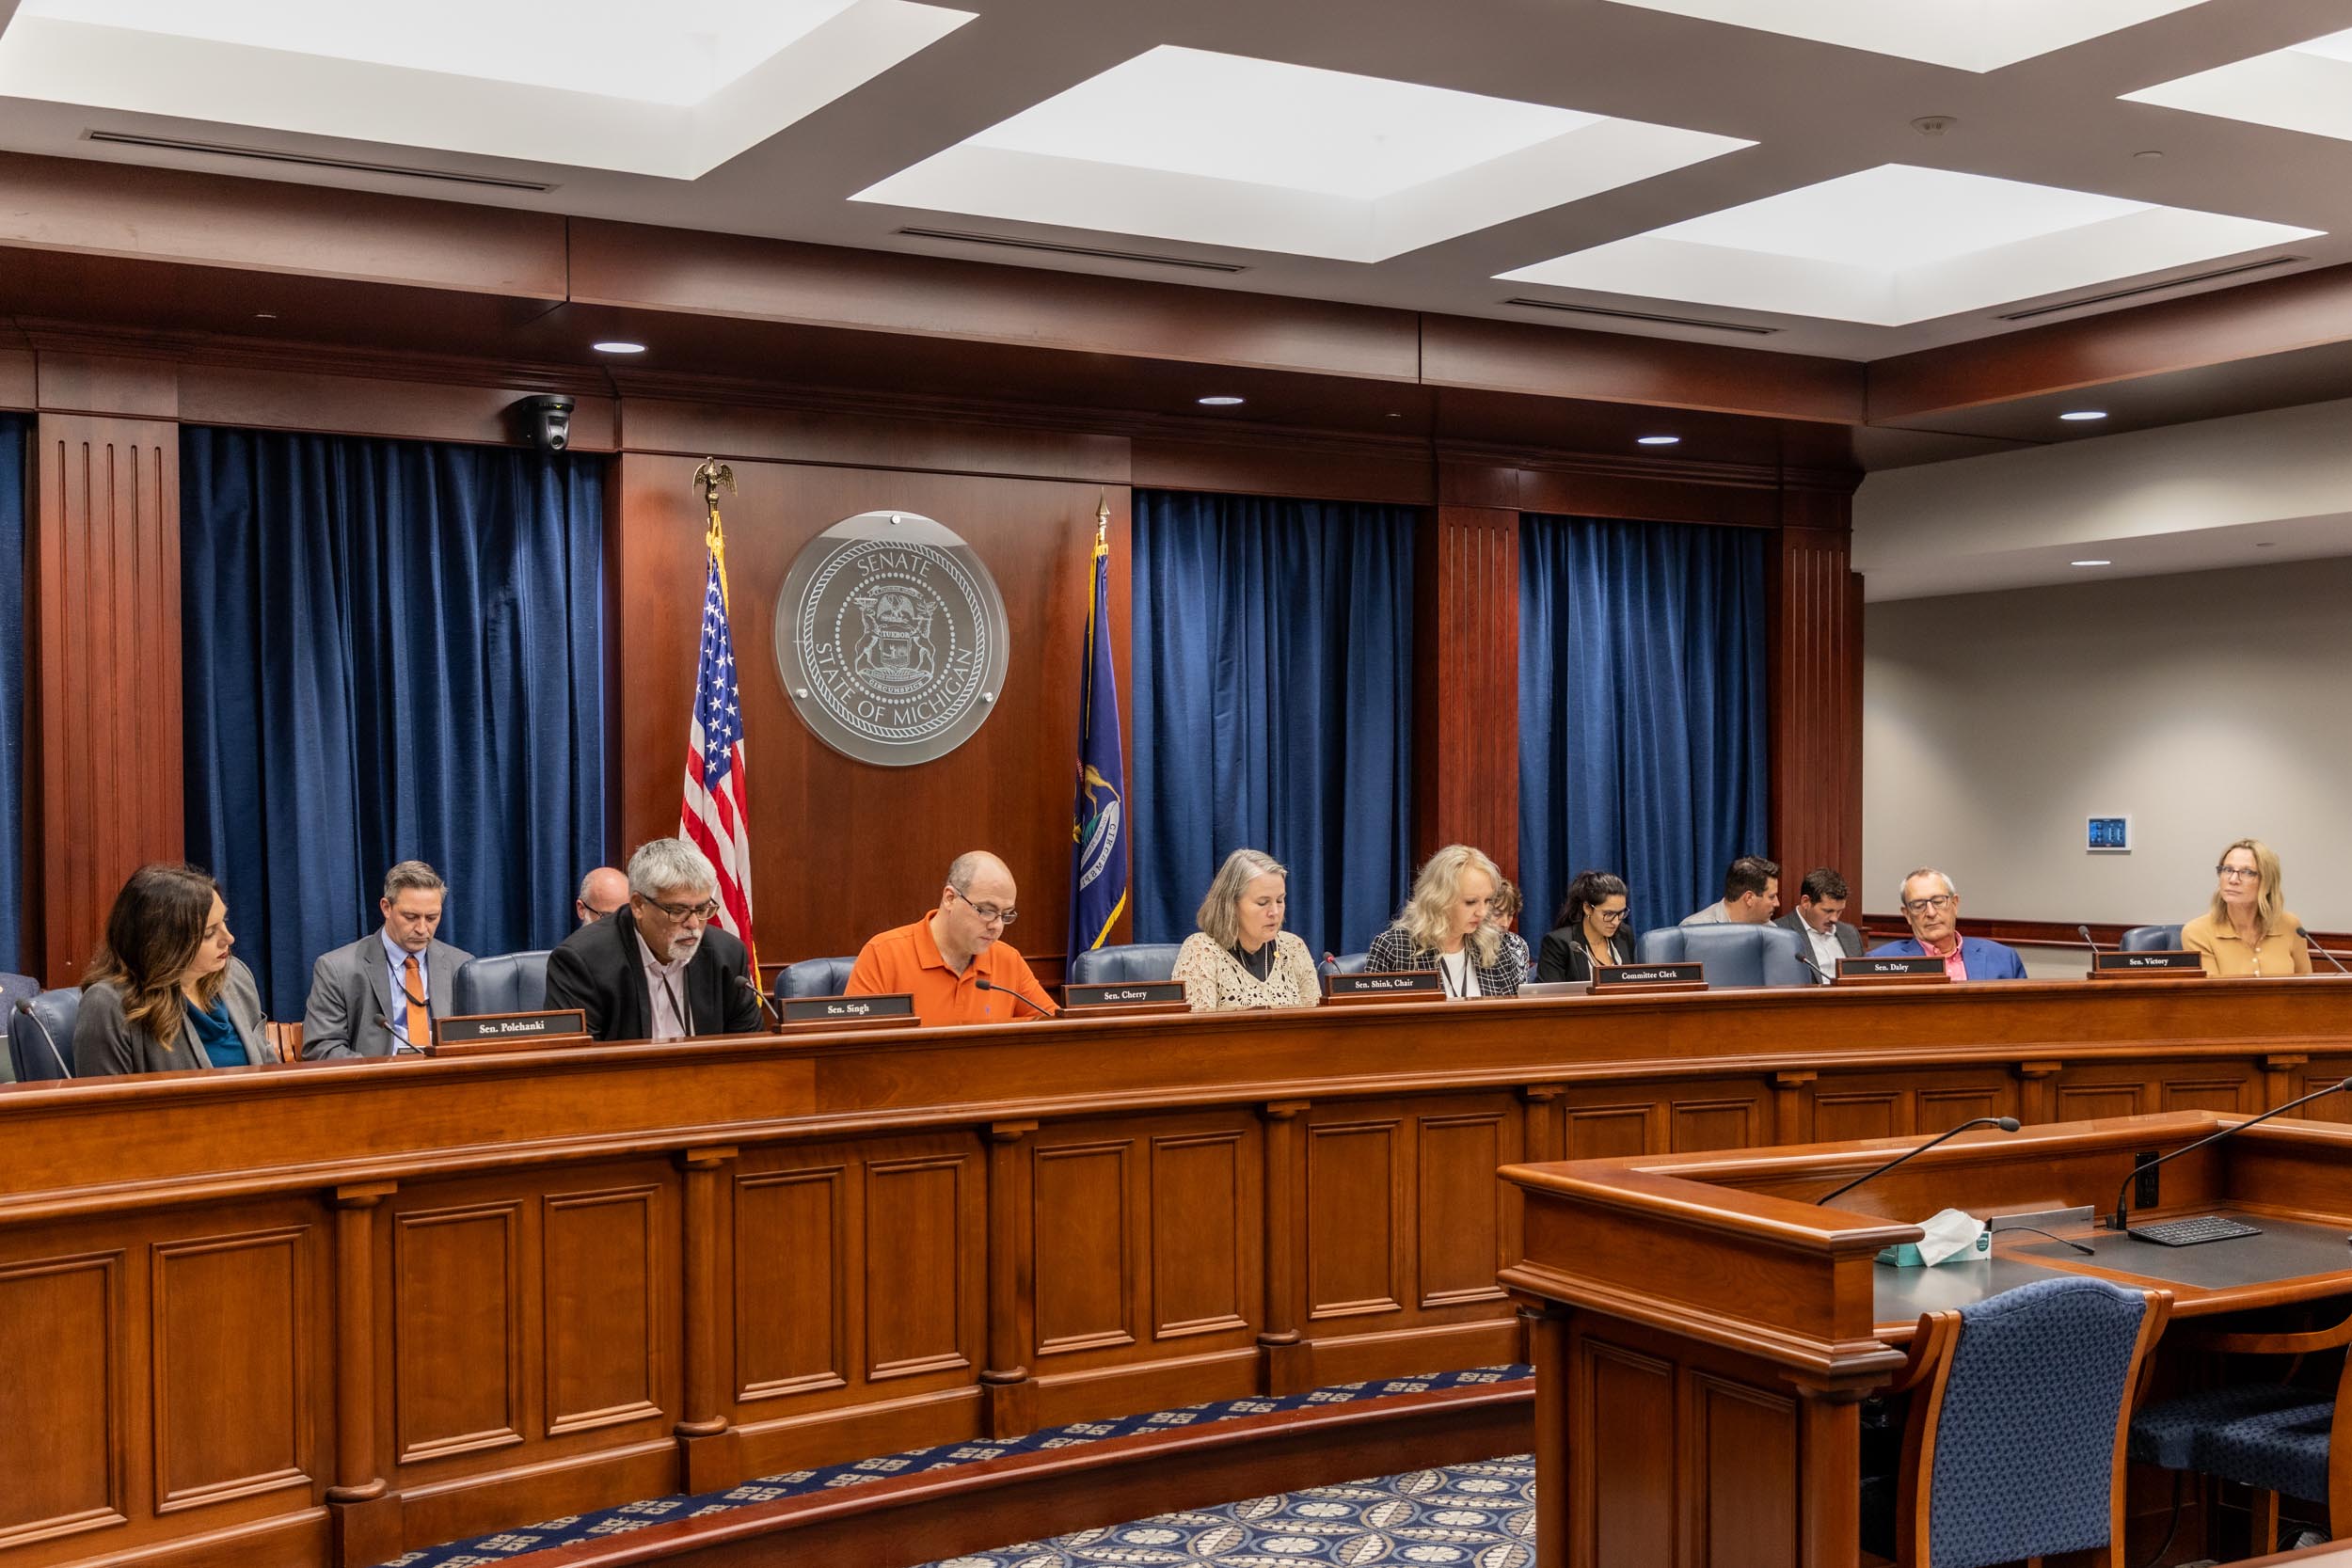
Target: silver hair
(1221, 908)
(411, 874)
(1924, 871)
(670, 865)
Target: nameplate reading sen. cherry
(2166, 964)
(480, 1034)
(1924, 969)
(1124, 994)
(887, 1010)
(1616, 979)
(1410, 985)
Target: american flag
(713, 815)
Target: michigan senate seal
(891, 638)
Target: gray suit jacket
(1849, 937)
(105, 1042)
(349, 1010)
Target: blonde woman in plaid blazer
(1444, 925)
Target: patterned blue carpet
(1305, 1542)
(1466, 1516)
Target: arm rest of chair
(2271, 1344)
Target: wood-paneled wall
(332, 1312)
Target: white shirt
(396, 962)
(665, 986)
(1460, 975)
(1825, 949)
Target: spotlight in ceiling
(618, 345)
(2081, 415)
(1218, 402)
(1657, 440)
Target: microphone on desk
(1806, 959)
(2007, 1124)
(2311, 942)
(2089, 938)
(65, 1069)
(761, 997)
(2118, 1221)
(1007, 990)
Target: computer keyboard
(2189, 1232)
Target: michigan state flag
(1098, 826)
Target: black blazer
(1849, 938)
(599, 969)
(1561, 962)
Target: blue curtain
(14, 434)
(1272, 699)
(1642, 723)
(393, 650)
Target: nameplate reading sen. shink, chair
(889, 1010)
(1125, 996)
(1618, 979)
(1408, 985)
(1925, 969)
(484, 1034)
(2160, 965)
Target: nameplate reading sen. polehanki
(483, 1033)
(887, 1010)
(1404, 986)
(2158, 964)
(1124, 994)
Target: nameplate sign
(1410, 985)
(480, 1034)
(1923, 969)
(1616, 979)
(1124, 993)
(2163, 965)
(890, 1010)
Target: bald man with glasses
(656, 968)
(954, 961)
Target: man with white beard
(656, 968)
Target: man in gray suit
(377, 996)
(1818, 920)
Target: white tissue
(1952, 1235)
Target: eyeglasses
(990, 914)
(706, 910)
(2237, 873)
(1935, 901)
(1612, 916)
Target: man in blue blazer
(1932, 904)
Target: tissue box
(1953, 1236)
(1907, 1255)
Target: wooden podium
(1704, 1333)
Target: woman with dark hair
(1591, 928)
(163, 994)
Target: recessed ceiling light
(618, 345)
(2091, 564)
(2266, 544)
(1657, 440)
(264, 315)
(1217, 402)
(2078, 416)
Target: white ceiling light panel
(2306, 87)
(1967, 35)
(1897, 244)
(671, 91)
(1185, 144)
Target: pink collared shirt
(1954, 965)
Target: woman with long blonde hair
(1444, 925)
(2248, 931)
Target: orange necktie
(420, 1026)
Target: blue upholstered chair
(1110, 966)
(30, 1052)
(508, 983)
(2274, 1437)
(1734, 954)
(2152, 939)
(814, 977)
(1990, 1477)
(1346, 963)
(14, 989)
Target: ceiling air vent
(1053, 247)
(1745, 328)
(2134, 291)
(313, 160)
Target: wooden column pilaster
(1466, 682)
(1815, 689)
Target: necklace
(1259, 966)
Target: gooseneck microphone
(1806, 959)
(2007, 1124)
(1007, 990)
(2118, 1220)
(2313, 943)
(761, 997)
(65, 1069)
(2089, 938)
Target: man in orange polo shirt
(953, 961)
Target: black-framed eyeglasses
(1612, 916)
(990, 914)
(1934, 901)
(706, 910)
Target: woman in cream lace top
(1241, 957)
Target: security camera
(547, 420)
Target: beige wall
(2206, 705)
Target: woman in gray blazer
(163, 994)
